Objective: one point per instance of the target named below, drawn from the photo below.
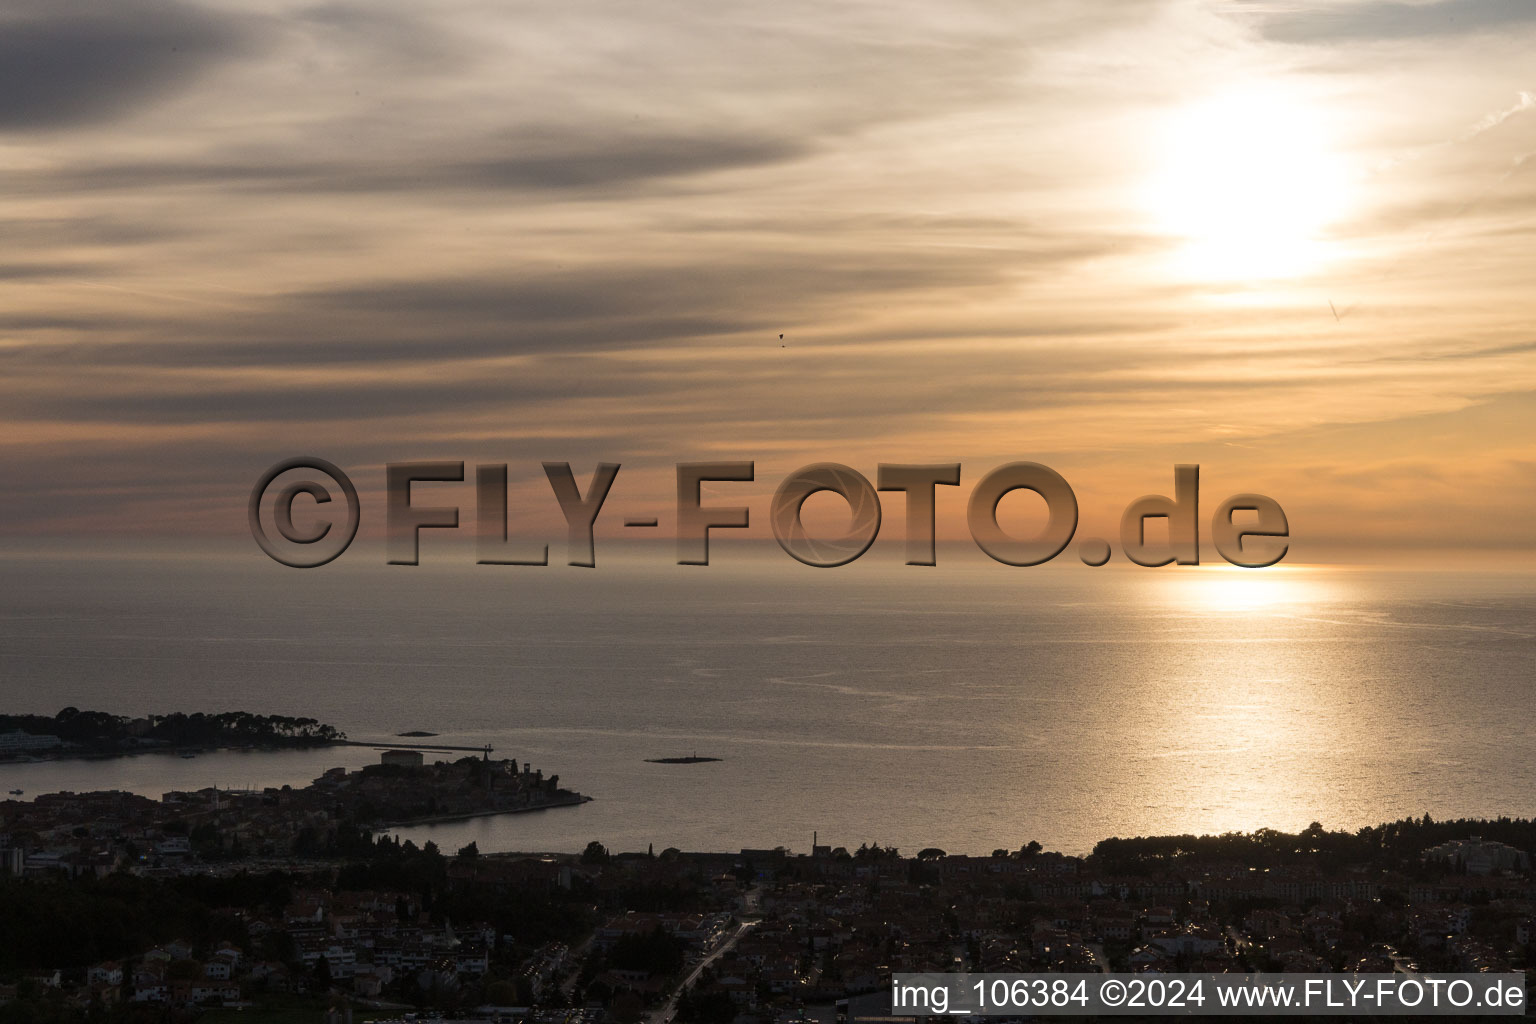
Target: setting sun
(1249, 182)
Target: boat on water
(188, 756)
(15, 792)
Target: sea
(968, 706)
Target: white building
(1479, 857)
(18, 742)
(108, 973)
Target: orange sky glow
(1293, 243)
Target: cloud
(616, 166)
(379, 230)
(1523, 101)
(26, 271)
(1374, 21)
(77, 62)
(619, 162)
(705, 303)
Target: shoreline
(47, 757)
(255, 748)
(575, 800)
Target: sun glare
(1249, 182)
(1226, 589)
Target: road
(664, 1014)
(575, 958)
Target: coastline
(574, 800)
(110, 755)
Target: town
(202, 905)
(99, 833)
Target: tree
(706, 1008)
(626, 1008)
(469, 852)
(654, 952)
(595, 853)
(501, 993)
(931, 853)
(278, 945)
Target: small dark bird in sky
(781, 342)
(1335, 312)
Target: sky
(1290, 242)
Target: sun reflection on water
(1233, 590)
(1251, 707)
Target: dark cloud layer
(1386, 21)
(617, 165)
(24, 271)
(539, 312)
(75, 63)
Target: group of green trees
(62, 922)
(1398, 845)
(101, 732)
(697, 1006)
